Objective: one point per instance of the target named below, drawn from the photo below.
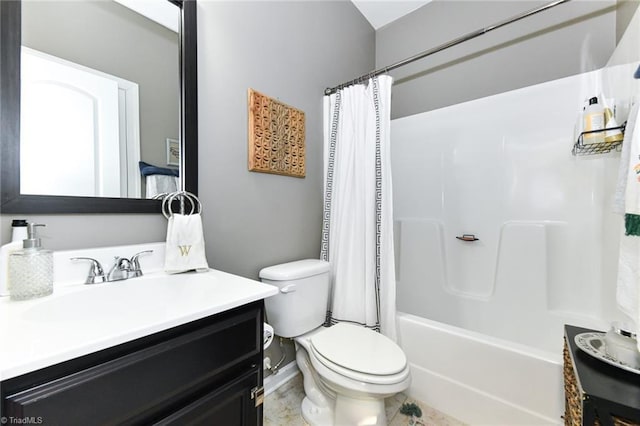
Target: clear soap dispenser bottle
(19, 233)
(31, 269)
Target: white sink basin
(155, 295)
(80, 319)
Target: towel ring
(167, 202)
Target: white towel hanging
(158, 184)
(627, 202)
(185, 248)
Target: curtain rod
(469, 36)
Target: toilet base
(347, 412)
(361, 412)
(331, 402)
(314, 415)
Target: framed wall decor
(276, 136)
(173, 152)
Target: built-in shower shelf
(582, 148)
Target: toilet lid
(359, 349)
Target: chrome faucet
(122, 269)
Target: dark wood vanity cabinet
(207, 372)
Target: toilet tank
(301, 304)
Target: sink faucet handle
(96, 273)
(135, 264)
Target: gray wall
(569, 39)
(626, 9)
(109, 37)
(290, 51)
(285, 50)
(251, 220)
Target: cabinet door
(229, 405)
(148, 383)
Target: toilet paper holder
(267, 335)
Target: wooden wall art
(276, 136)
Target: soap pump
(31, 269)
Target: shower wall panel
(501, 168)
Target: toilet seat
(328, 369)
(340, 348)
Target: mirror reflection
(99, 98)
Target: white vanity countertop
(81, 319)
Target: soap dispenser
(31, 269)
(18, 233)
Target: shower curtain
(357, 228)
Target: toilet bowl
(348, 370)
(358, 380)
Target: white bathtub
(479, 379)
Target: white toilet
(348, 370)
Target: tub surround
(546, 256)
(542, 259)
(81, 319)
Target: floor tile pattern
(282, 408)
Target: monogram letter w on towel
(185, 244)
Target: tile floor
(282, 408)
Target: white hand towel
(628, 195)
(161, 184)
(185, 244)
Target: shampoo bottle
(19, 233)
(31, 269)
(593, 120)
(611, 136)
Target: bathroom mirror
(175, 144)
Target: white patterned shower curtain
(357, 228)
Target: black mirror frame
(11, 201)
